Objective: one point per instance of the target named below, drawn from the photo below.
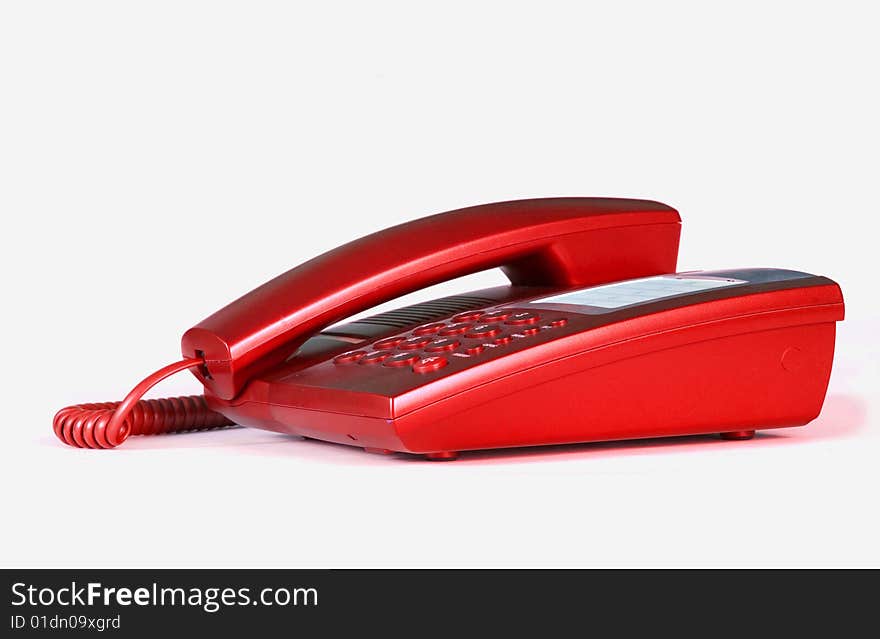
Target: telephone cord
(108, 424)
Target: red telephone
(596, 338)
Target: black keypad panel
(472, 335)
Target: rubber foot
(379, 451)
(738, 435)
(447, 455)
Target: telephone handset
(594, 296)
(553, 242)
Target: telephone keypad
(431, 347)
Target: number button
(427, 329)
(504, 339)
(559, 322)
(480, 331)
(401, 359)
(523, 317)
(531, 330)
(475, 349)
(414, 343)
(469, 316)
(387, 344)
(495, 316)
(428, 364)
(442, 344)
(349, 357)
(455, 329)
(374, 358)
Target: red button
(530, 331)
(414, 343)
(374, 358)
(455, 329)
(523, 317)
(386, 344)
(429, 364)
(401, 359)
(476, 349)
(467, 317)
(504, 339)
(444, 344)
(483, 330)
(427, 329)
(496, 316)
(559, 322)
(350, 356)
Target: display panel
(646, 289)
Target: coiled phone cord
(108, 424)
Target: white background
(159, 159)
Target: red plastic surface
(552, 242)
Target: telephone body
(596, 338)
